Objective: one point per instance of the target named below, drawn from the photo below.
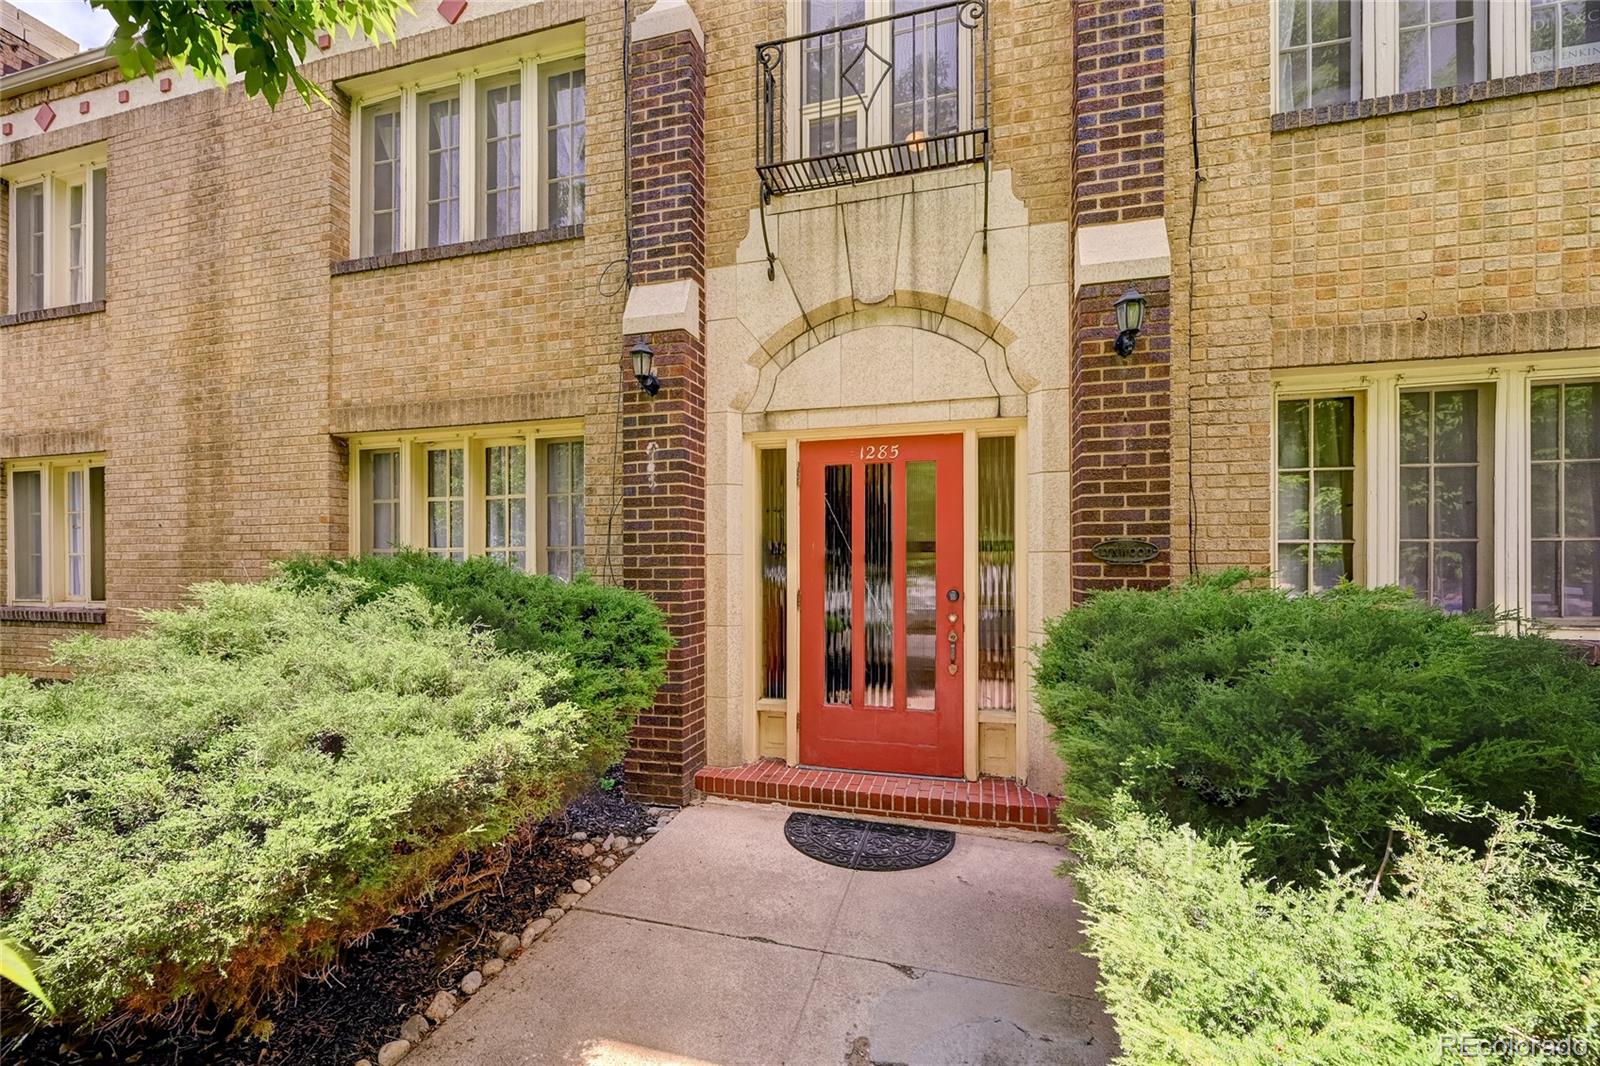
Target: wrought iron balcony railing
(850, 101)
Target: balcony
(853, 101)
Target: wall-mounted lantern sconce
(1130, 320)
(644, 367)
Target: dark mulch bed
(339, 1017)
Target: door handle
(953, 638)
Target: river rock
(393, 1052)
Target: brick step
(986, 802)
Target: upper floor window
(58, 229)
(867, 88)
(1335, 51)
(513, 493)
(56, 530)
(490, 147)
(1473, 494)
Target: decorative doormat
(858, 845)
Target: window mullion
(1380, 50)
(467, 161)
(1382, 475)
(410, 149)
(55, 262)
(1513, 503)
(533, 104)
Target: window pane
(1292, 23)
(1333, 505)
(1331, 564)
(1292, 571)
(1335, 431)
(922, 584)
(1545, 402)
(1455, 576)
(1565, 33)
(441, 197)
(97, 251)
(1546, 592)
(519, 522)
(77, 529)
(1455, 426)
(1414, 570)
(878, 586)
(565, 147)
(383, 179)
(1294, 506)
(1294, 448)
(774, 575)
(97, 533)
(518, 460)
(1582, 421)
(1582, 493)
(29, 247)
(1580, 586)
(1545, 494)
(838, 583)
(27, 531)
(502, 157)
(1455, 508)
(1414, 503)
(997, 554)
(1414, 427)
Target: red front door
(881, 604)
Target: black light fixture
(644, 366)
(1130, 320)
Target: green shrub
(1300, 721)
(1201, 962)
(615, 638)
(227, 797)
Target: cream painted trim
(52, 471)
(666, 17)
(662, 307)
(1508, 449)
(57, 175)
(412, 445)
(751, 704)
(1121, 251)
(533, 57)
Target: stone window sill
(76, 615)
(1454, 96)
(456, 251)
(45, 314)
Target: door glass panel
(997, 556)
(878, 599)
(77, 570)
(922, 584)
(774, 575)
(838, 592)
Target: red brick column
(1121, 434)
(664, 436)
(1121, 437)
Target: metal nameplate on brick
(1125, 551)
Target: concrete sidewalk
(719, 943)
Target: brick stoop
(987, 802)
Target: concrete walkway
(719, 943)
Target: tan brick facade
(240, 341)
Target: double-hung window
(58, 227)
(1335, 51)
(489, 147)
(56, 530)
(1476, 487)
(513, 493)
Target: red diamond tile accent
(44, 116)
(452, 9)
(988, 801)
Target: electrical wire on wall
(610, 287)
(1188, 324)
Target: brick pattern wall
(664, 436)
(1121, 438)
(1439, 233)
(228, 352)
(1118, 155)
(17, 54)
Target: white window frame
(56, 176)
(53, 471)
(1508, 454)
(411, 520)
(874, 126)
(1360, 496)
(530, 59)
(1503, 45)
